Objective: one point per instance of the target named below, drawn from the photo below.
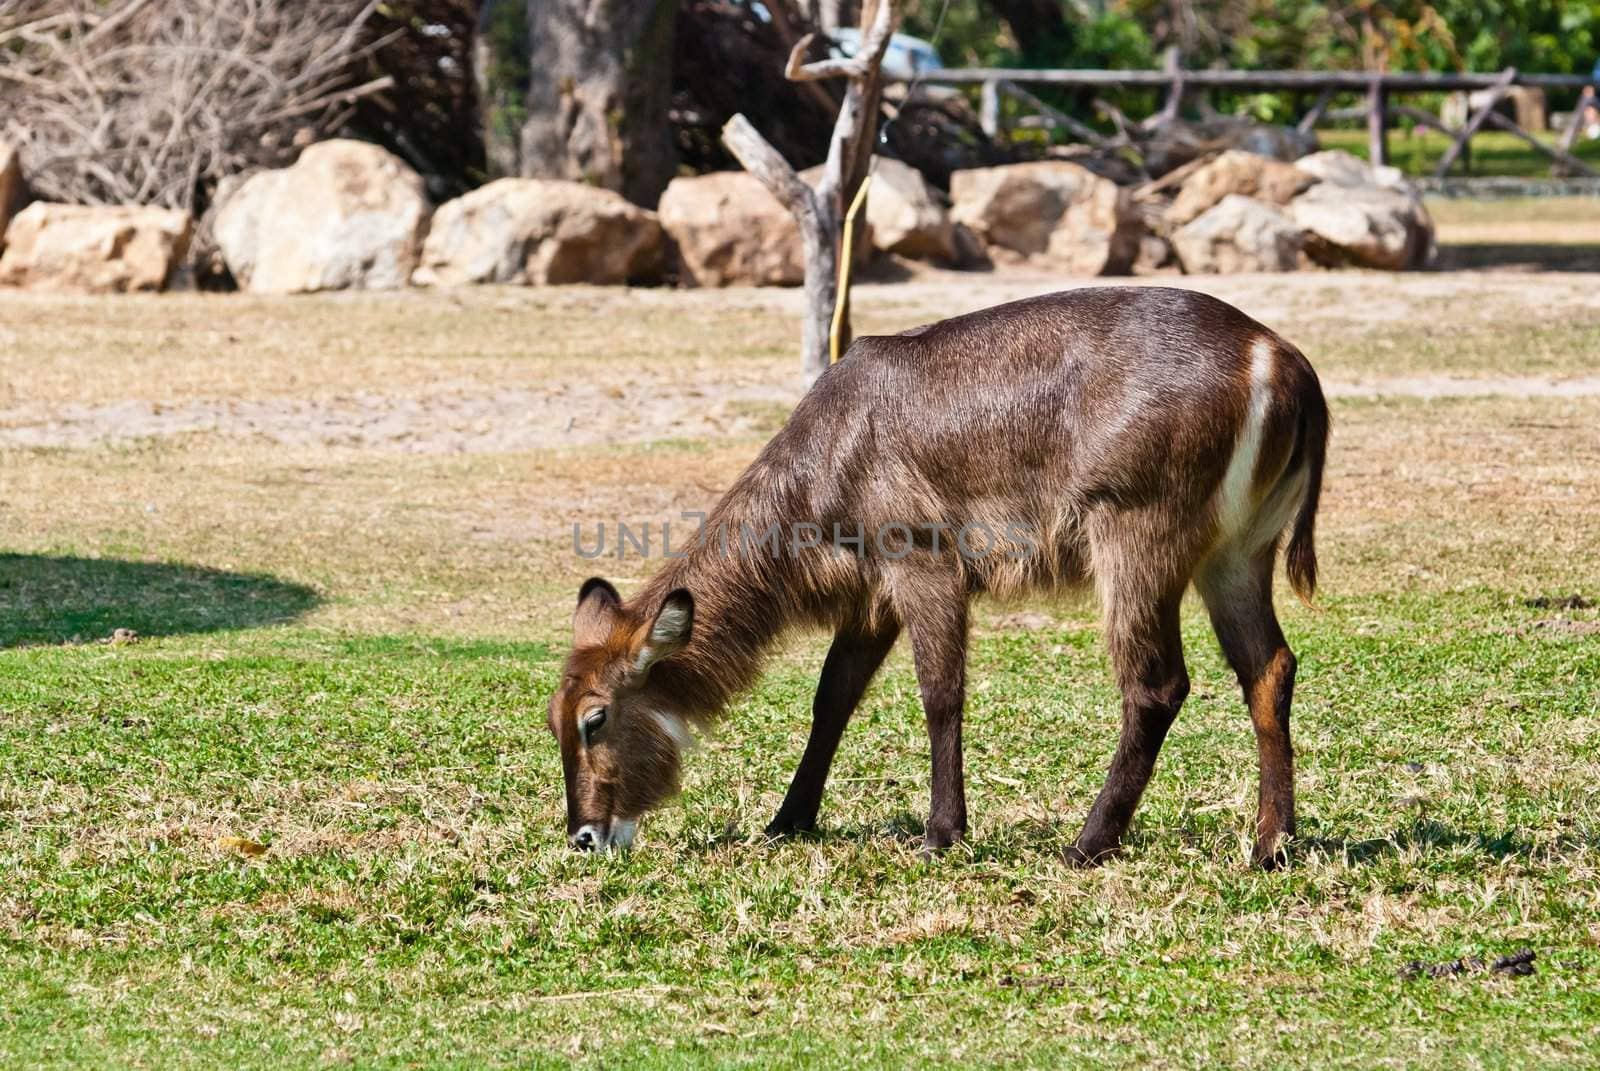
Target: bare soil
(585, 366)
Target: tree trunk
(599, 82)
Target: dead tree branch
(819, 211)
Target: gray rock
(1240, 234)
(540, 232)
(1052, 212)
(347, 215)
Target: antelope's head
(621, 740)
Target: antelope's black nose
(583, 840)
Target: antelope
(1134, 439)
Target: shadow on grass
(1427, 835)
(50, 600)
(1510, 256)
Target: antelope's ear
(597, 610)
(669, 632)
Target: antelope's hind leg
(852, 661)
(1238, 595)
(1147, 654)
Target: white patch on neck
(674, 727)
(1234, 506)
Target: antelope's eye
(592, 724)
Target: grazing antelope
(1136, 439)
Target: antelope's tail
(1301, 560)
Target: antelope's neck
(742, 602)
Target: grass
(345, 650)
(1494, 152)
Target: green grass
(416, 905)
(1494, 152)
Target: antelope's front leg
(852, 661)
(939, 648)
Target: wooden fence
(1378, 88)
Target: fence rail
(1378, 87)
(1354, 81)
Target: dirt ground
(376, 373)
(420, 457)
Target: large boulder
(541, 232)
(10, 186)
(729, 230)
(347, 215)
(1050, 211)
(1239, 234)
(1365, 226)
(94, 249)
(1237, 172)
(906, 215)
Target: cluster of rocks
(1241, 212)
(349, 215)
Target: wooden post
(1309, 121)
(820, 211)
(989, 109)
(1377, 122)
(1496, 93)
(1172, 64)
(1569, 136)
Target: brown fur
(1106, 420)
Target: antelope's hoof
(935, 841)
(1081, 858)
(782, 828)
(1271, 855)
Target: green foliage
(1547, 36)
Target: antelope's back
(1122, 393)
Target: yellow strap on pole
(844, 268)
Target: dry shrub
(155, 101)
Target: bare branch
(864, 63)
(758, 157)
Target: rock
(729, 230)
(1052, 211)
(1342, 169)
(970, 250)
(906, 214)
(1367, 226)
(1371, 217)
(540, 232)
(347, 215)
(94, 249)
(10, 186)
(1238, 172)
(1239, 234)
(1155, 257)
